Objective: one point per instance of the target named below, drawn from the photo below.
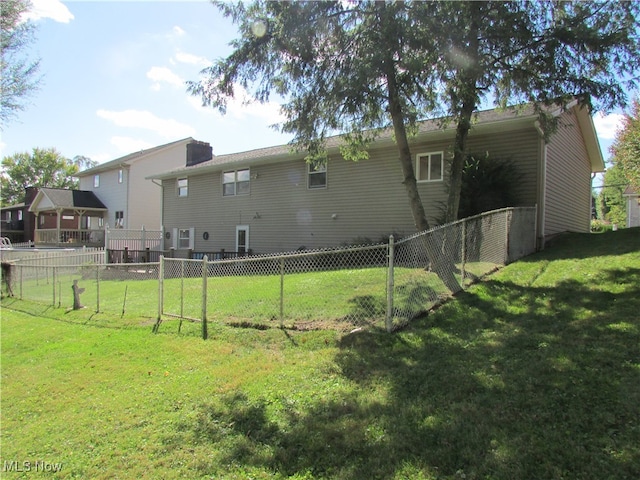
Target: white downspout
(542, 187)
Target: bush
(487, 184)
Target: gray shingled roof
(284, 152)
(73, 198)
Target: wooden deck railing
(69, 238)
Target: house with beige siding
(270, 200)
(132, 200)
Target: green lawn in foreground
(533, 373)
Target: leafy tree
(18, 74)
(83, 163)
(546, 53)
(360, 67)
(613, 206)
(41, 168)
(626, 146)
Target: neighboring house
(17, 223)
(633, 207)
(132, 200)
(270, 200)
(64, 218)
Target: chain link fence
(99, 288)
(383, 285)
(314, 289)
(431, 266)
(345, 288)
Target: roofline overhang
(445, 133)
(42, 192)
(516, 121)
(124, 161)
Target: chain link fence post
(53, 284)
(507, 231)
(281, 292)
(204, 298)
(160, 293)
(463, 253)
(181, 288)
(389, 315)
(97, 288)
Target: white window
(183, 187)
(96, 181)
(120, 176)
(236, 183)
(429, 167)
(119, 219)
(183, 238)
(316, 175)
(19, 215)
(8, 215)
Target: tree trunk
(457, 164)
(442, 265)
(467, 95)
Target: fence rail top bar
(462, 220)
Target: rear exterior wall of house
(361, 200)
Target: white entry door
(242, 239)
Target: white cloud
(191, 59)
(167, 128)
(130, 145)
(101, 157)
(242, 106)
(607, 125)
(178, 32)
(164, 75)
(53, 9)
(196, 103)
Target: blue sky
(113, 82)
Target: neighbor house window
(183, 187)
(184, 238)
(19, 215)
(120, 219)
(120, 176)
(429, 167)
(317, 175)
(96, 181)
(236, 183)
(8, 215)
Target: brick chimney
(29, 194)
(198, 152)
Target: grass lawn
(533, 373)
